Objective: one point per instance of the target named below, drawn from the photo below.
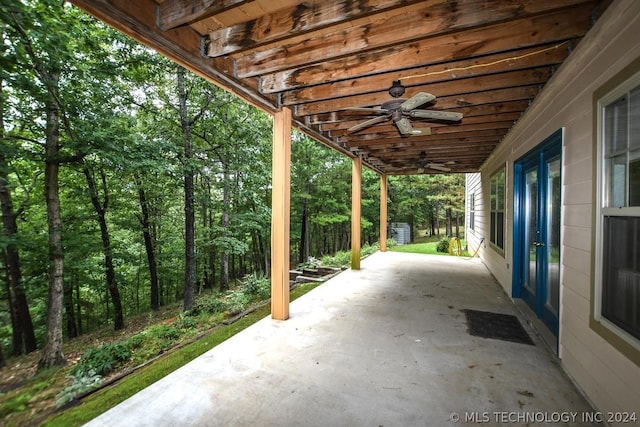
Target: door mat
(496, 326)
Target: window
(617, 271)
(472, 211)
(497, 210)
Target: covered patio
(387, 345)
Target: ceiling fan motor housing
(396, 90)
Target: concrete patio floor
(383, 346)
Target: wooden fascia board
(137, 19)
(331, 144)
(174, 13)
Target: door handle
(538, 244)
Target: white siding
(609, 379)
(473, 186)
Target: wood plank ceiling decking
(486, 59)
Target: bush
(102, 360)
(340, 259)
(81, 383)
(254, 284)
(443, 245)
(237, 302)
(210, 304)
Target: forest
(128, 183)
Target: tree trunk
(224, 256)
(101, 211)
(432, 221)
(24, 338)
(78, 307)
(52, 353)
(72, 329)
(304, 229)
(449, 227)
(148, 245)
(189, 209)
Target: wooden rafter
(486, 60)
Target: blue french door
(537, 180)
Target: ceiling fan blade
(421, 131)
(404, 125)
(436, 115)
(438, 167)
(367, 123)
(416, 100)
(375, 110)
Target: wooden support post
(383, 213)
(280, 214)
(356, 196)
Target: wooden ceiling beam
(174, 13)
(446, 88)
(480, 110)
(448, 72)
(137, 19)
(459, 155)
(441, 146)
(443, 102)
(422, 20)
(538, 30)
(433, 139)
(341, 128)
(292, 21)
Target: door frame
(550, 148)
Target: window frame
(622, 83)
(472, 211)
(494, 196)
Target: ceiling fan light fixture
(396, 90)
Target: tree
(101, 207)
(189, 209)
(149, 245)
(24, 340)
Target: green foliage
(100, 402)
(185, 322)
(210, 304)
(81, 382)
(443, 245)
(161, 337)
(257, 285)
(340, 259)
(312, 262)
(237, 302)
(102, 360)
(17, 404)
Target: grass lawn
(424, 245)
(419, 248)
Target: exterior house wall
(609, 379)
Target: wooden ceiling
(486, 59)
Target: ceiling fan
(399, 110)
(422, 164)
